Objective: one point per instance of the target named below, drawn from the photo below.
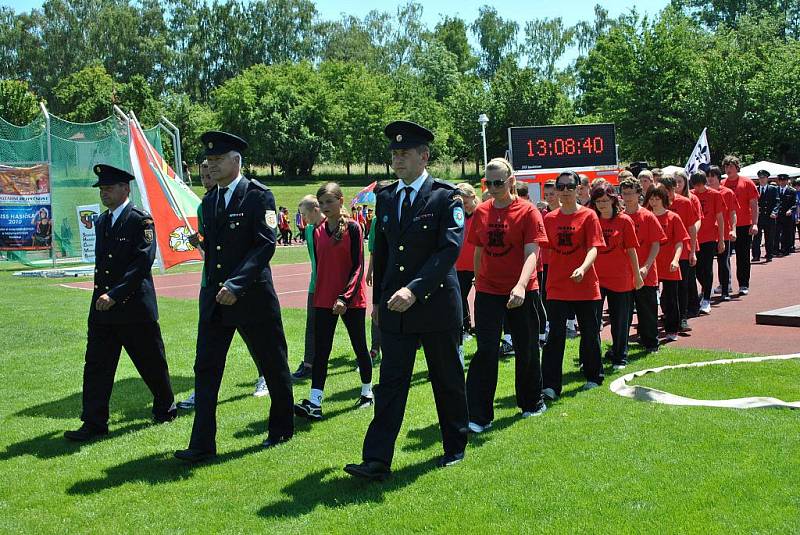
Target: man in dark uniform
(787, 204)
(239, 225)
(419, 223)
(767, 216)
(123, 312)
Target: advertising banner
(25, 208)
(87, 215)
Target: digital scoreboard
(564, 146)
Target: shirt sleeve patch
(458, 216)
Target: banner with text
(25, 208)
(87, 215)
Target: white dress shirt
(417, 184)
(231, 188)
(118, 210)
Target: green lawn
(593, 463)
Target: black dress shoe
(194, 456)
(85, 433)
(167, 416)
(274, 440)
(302, 372)
(449, 459)
(371, 470)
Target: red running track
(731, 326)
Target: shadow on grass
(130, 397)
(53, 444)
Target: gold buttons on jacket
(106, 272)
(402, 268)
(110, 256)
(220, 285)
(96, 286)
(400, 248)
(219, 266)
(219, 247)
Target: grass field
(593, 463)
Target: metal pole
(121, 114)
(171, 134)
(483, 134)
(50, 178)
(178, 151)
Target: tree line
(305, 90)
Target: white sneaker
(617, 367)
(261, 388)
(538, 412)
(188, 403)
(705, 306)
(477, 428)
(549, 393)
(589, 385)
(717, 290)
(744, 290)
(671, 337)
(461, 355)
(466, 338)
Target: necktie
(221, 202)
(405, 207)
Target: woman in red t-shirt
(465, 264)
(338, 291)
(688, 296)
(573, 234)
(617, 268)
(506, 232)
(669, 256)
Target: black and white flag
(701, 155)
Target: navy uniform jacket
(768, 201)
(238, 248)
(124, 257)
(420, 256)
(786, 202)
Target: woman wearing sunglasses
(573, 234)
(617, 268)
(506, 232)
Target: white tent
(670, 169)
(774, 169)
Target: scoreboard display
(564, 146)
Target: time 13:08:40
(566, 146)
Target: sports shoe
(572, 333)
(685, 328)
(717, 290)
(589, 385)
(506, 349)
(619, 366)
(306, 409)
(705, 307)
(477, 428)
(261, 388)
(726, 297)
(671, 337)
(538, 411)
(466, 338)
(549, 393)
(188, 403)
(302, 372)
(461, 354)
(744, 290)
(365, 401)
(450, 459)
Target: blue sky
(571, 11)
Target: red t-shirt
(689, 214)
(503, 233)
(466, 258)
(613, 266)
(569, 237)
(712, 204)
(729, 198)
(340, 267)
(673, 227)
(648, 231)
(745, 191)
(544, 255)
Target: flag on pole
(171, 203)
(701, 155)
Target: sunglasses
(495, 183)
(561, 186)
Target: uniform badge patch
(458, 216)
(148, 235)
(271, 219)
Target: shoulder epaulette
(258, 184)
(442, 184)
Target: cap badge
(210, 145)
(96, 168)
(399, 137)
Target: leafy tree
(18, 104)
(452, 33)
(437, 68)
(546, 40)
(497, 38)
(85, 96)
(469, 98)
(192, 119)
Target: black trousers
(688, 298)
(522, 322)
(391, 394)
(646, 300)
(143, 343)
(553, 352)
(786, 226)
(705, 267)
(541, 312)
(465, 283)
(267, 345)
(724, 268)
(308, 354)
(619, 316)
(324, 328)
(670, 306)
(742, 246)
(766, 229)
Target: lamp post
(483, 119)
